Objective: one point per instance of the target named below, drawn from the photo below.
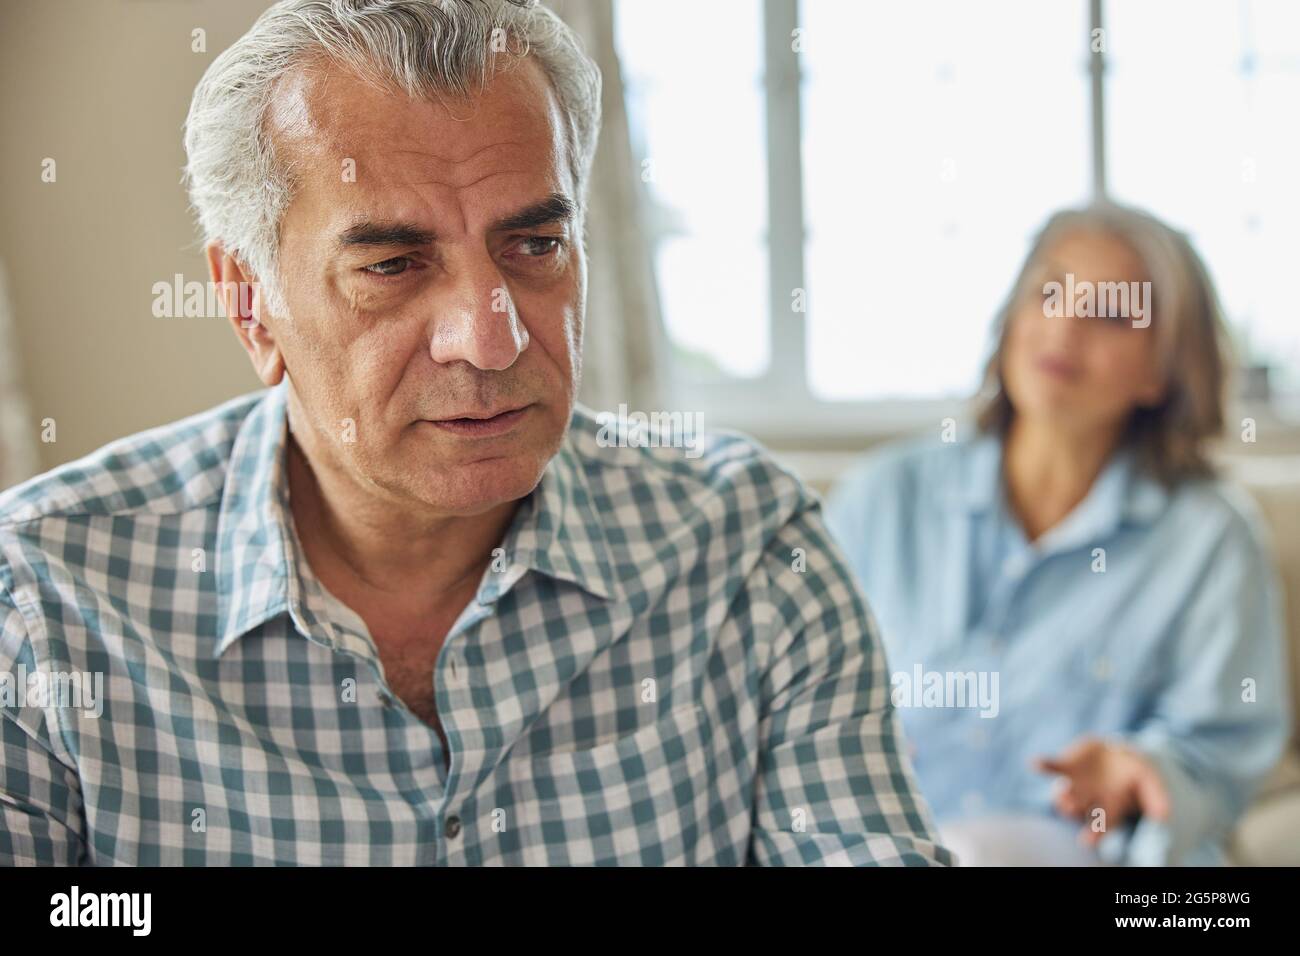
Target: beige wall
(102, 87)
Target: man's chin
(478, 486)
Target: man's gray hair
(424, 48)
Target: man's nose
(477, 322)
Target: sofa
(1269, 833)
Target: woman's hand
(1097, 774)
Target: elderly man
(404, 607)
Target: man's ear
(245, 307)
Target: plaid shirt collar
(556, 531)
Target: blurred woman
(1083, 628)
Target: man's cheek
(572, 349)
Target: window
(700, 131)
(1203, 129)
(935, 140)
(841, 192)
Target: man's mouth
(481, 424)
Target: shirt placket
(456, 686)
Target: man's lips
(475, 424)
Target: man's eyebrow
(384, 234)
(555, 208)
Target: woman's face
(1082, 371)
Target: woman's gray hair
(424, 48)
(1192, 344)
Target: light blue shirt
(1147, 616)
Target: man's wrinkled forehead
(322, 116)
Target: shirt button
(386, 699)
(451, 829)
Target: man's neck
(1049, 470)
(364, 549)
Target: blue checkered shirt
(667, 664)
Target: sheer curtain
(624, 342)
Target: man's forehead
(323, 114)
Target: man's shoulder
(164, 470)
(680, 473)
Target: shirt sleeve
(834, 783)
(1221, 721)
(40, 798)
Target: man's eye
(389, 267)
(539, 246)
